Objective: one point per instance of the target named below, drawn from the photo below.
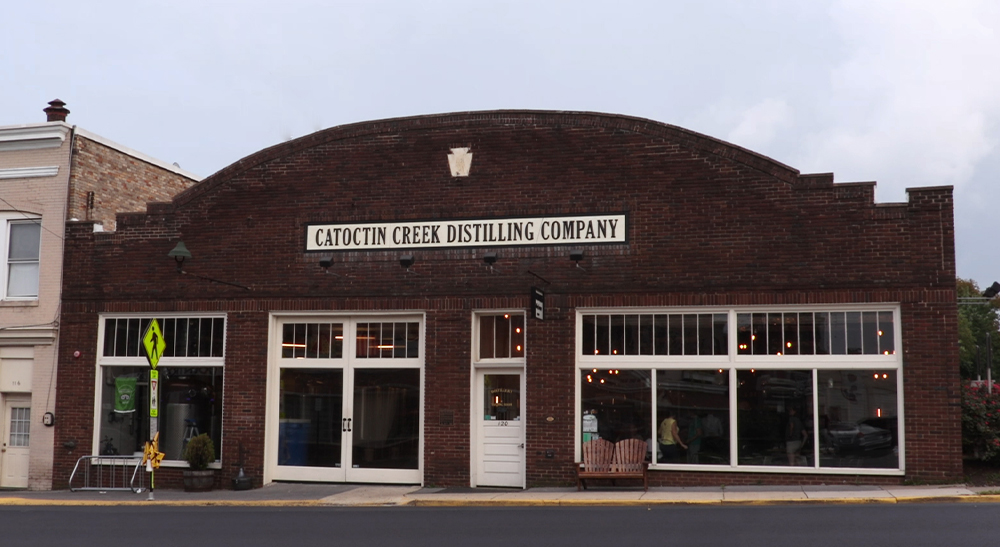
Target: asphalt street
(885, 525)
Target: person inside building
(670, 438)
(795, 436)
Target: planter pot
(199, 481)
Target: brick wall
(709, 224)
(121, 182)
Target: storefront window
(190, 404)
(698, 402)
(796, 404)
(774, 417)
(858, 423)
(190, 385)
(616, 405)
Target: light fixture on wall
(490, 259)
(406, 261)
(180, 253)
(576, 256)
(325, 262)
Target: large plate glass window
(190, 384)
(806, 388)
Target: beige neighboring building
(51, 173)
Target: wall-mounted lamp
(325, 262)
(406, 261)
(577, 256)
(490, 259)
(179, 253)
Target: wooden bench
(604, 460)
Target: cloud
(916, 101)
(759, 124)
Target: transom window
(312, 340)
(655, 334)
(388, 340)
(816, 333)
(501, 336)
(185, 337)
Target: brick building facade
(465, 299)
(51, 173)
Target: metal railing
(107, 473)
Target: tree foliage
(976, 319)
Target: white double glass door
(348, 411)
(499, 413)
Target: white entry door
(501, 429)
(348, 394)
(14, 449)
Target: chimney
(56, 112)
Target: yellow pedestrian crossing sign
(154, 343)
(151, 455)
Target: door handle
(349, 425)
(343, 424)
(520, 445)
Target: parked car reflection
(860, 436)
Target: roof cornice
(34, 136)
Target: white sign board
(526, 231)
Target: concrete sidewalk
(353, 495)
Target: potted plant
(199, 453)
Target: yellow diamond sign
(154, 343)
(151, 453)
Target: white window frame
(348, 358)
(6, 220)
(165, 362)
(734, 362)
(476, 337)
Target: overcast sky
(903, 93)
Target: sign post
(154, 344)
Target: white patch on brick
(29, 172)
(460, 161)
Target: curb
(8, 502)
(427, 502)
